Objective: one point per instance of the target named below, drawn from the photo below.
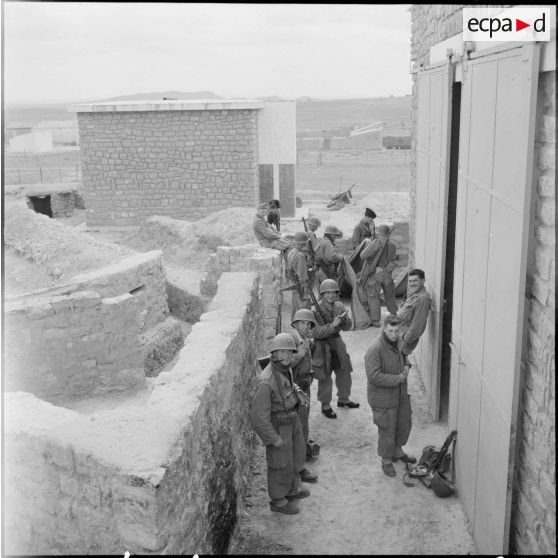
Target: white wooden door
(432, 179)
(494, 193)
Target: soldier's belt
(282, 418)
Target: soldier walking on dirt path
(414, 311)
(387, 369)
(365, 228)
(302, 324)
(378, 256)
(330, 354)
(275, 419)
(297, 273)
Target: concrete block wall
(163, 474)
(534, 510)
(178, 163)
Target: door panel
(433, 139)
(494, 189)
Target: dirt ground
(354, 508)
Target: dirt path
(354, 508)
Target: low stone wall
(87, 337)
(163, 474)
(266, 261)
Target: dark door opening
(450, 253)
(41, 204)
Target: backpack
(436, 465)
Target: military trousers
(284, 464)
(343, 382)
(304, 414)
(369, 296)
(394, 426)
(298, 302)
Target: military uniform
(327, 260)
(387, 396)
(377, 277)
(274, 416)
(330, 354)
(364, 229)
(302, 375)
(297, 272)
(267, 236)
(414, 315)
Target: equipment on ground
(340, 200)
(435, 468)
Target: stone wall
(265, 261)
(534, 510)
(164, 473)
(533, 523)
(177, 163)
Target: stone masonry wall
(183, 164)
(266, 261)
(72, 346)
(533, 523)
(163, 474)
(534, 509)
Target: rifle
(312, 296)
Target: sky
(81, 51)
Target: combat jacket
(371, 253)
(267, 410)
(297, 270)
(363, 230)
(383, 363)
(264, 232)
(327, 258)
(302, 363)
(414, 315)
(330, 352)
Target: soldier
(297, 273)
(302, 324)
(387, 369)
(274, 215)
(327, 259)
(312, 224)
(265, 234)
(275, 419)
(365, 228)
(378, 256)
(414, 312)
(330, 354)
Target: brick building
(184, 159)
(483, 219)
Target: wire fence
(352, 158)
(42, 175)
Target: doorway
(450, 253)
(41, 204)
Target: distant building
(184, 159)
(483, 220)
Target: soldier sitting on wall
(265, 234)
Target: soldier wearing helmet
(378, 258)
(275, 419)
(265, 234)
(330, 353)
(297, 273)
(302, 325)
(327, 259)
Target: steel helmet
(328, 285)
(441, 487)
(282, 341)
(314, 221)
(333, 230)
(300, 236)
(304, 314)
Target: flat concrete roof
(145, 106)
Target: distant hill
(158, 96)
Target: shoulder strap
(276, 375)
